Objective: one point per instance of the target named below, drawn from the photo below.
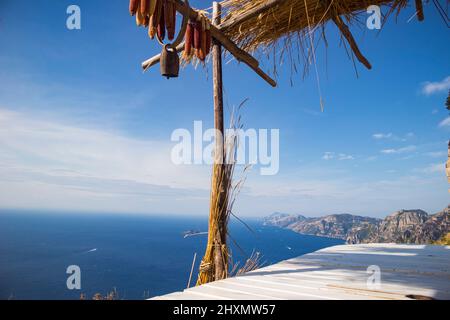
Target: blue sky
(83, 129)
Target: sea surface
(138, 256)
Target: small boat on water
(191, 233)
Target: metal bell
(170, 62)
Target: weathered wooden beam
(419, 9)
(230, 23)
(220, 262)
(265, 76)
(351, 41)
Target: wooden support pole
(220, 262)
(351, 41)
(419, 9)
(217, 74)
(214, 265)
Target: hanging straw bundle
(214, 264)
(216, 261)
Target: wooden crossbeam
(237, 52)
(217, 34)
(180, 48)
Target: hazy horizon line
(6, 210)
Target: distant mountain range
(405, 226)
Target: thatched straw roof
(290, 29)
(289, 18)
(287, 30)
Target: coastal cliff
(404, 226)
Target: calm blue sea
(137, 255)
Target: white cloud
(336, 193)
(399, 150)
(343, 156)
(429, 88)
(328, 156)
(382, 135)
(52, 164)
(340, 156)
(433, 168)
(445, 122)
(436, 154)
(391, 136)
(57, 165)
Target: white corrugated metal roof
(340, 272)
